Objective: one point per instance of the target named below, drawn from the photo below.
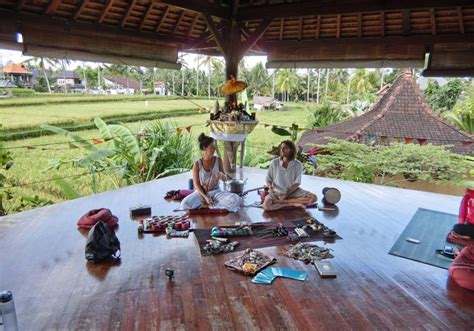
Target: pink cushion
(89, 219)
(462, 269)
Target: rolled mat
(205, 211)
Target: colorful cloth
(462, 269)
(466, 211)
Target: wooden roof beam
(255, 36)
(162, 18)
(198, 6)
(216, 33)
(194, 45)
(80, 9)
(127, 15)
(368, 41)
(192, 25)
(52, 7)
(307, 8)
(53, 23)
(178, 22)
(105, 10)
(148, 11)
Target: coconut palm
(361, 82)
(286, 82)
(39, 63)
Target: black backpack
(101, 243)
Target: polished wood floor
(42, 262)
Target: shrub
(324, 115)
(362, 163)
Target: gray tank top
(209, 179)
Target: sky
(17, 57)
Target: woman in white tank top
(207, 171)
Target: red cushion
(89, 219)
(462, 269)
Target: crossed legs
(299, 199)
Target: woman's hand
(208, 201)
(224, 176)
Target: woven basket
(232, 127)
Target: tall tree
(40, 64)
(286, 82)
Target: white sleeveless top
(209, 180)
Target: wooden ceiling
(287, 31)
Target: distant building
(159, 88)
(4, 83)
(121, 85)
(401, 114)
(17, 74)
(266, 103)
(68, 80)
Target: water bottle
(7, 311)
(190, 184)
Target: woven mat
(254, 241)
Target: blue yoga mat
(430, 228)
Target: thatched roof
(401, 113)
(304, 33)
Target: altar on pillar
(231, 124)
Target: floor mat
(430, 228)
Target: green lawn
(35, 115)
(31, 165)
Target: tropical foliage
(387, 164)
(129, 157)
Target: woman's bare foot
(299, 205)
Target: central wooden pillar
(233, 56)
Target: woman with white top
(207, 171)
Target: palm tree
(319, 81)
(286, 82)
(184, 65)
(361, 82)
(207, 61)
(463, 121)
(259, 79)
(39, 62)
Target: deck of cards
(267, 275)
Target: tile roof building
(401, 113)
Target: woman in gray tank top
(207, 171)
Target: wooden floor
(42, 262)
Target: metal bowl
(234, 185)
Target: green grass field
(30, 164)
(14, 117)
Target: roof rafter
(162, 19)
(307, 8)
(148, 11)
(105, 10)
(127, 15)
(80, 9)
(255, 36)
(178, 22)
(216, 33)
(198, 6)
(52, 7)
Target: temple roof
(400, 113)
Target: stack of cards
(267, 275)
